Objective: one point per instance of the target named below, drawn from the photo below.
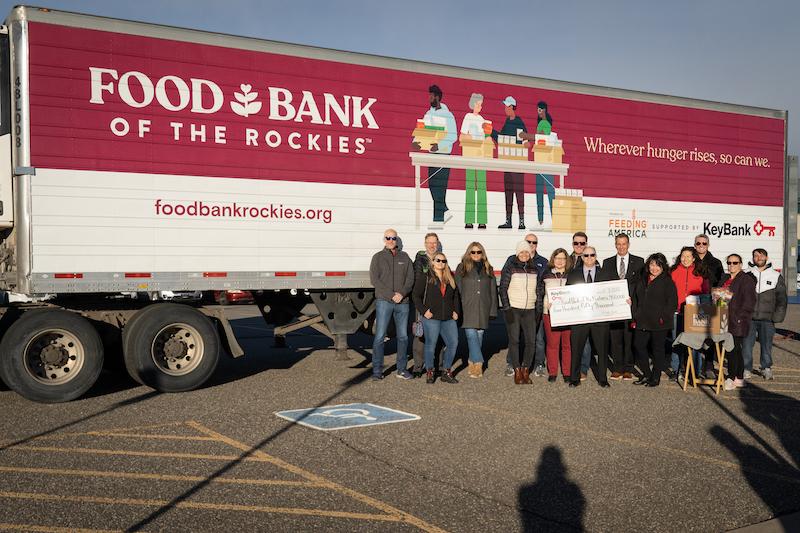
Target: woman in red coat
(742, 301)
(689, 277)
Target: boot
(478, 370)
(507, 225)
(471, 370)
(518, 376)
(526, 376)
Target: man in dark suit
(588, 272)
(629, 267)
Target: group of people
(469, 296)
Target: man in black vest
(629, 267)
(588, 272)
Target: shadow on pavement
(772, 473)
(552, 502)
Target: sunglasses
(440, 261)
(532, 242)
(390, 238)
(476, 252)
(589, 255)
(734, 262)
(578, 243)
(698, 243)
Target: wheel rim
(54, 357)
(177, 349)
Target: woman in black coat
(741, 295)
(477, 287)
(654, 301)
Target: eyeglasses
(578, 243)
(589, 255)
(390, 238)
(532, 242)
(698, 243)
(476, 252)
(734, 262)
(440, 261)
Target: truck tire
(170, 347)
(51, 356)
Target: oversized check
(589, 302)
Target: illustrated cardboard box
(428, 136)
(547, 154)
(507, 148)
(705, 317)
(569, 211)
(474, 148)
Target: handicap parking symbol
(350, 415)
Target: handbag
(416, 326)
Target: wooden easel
(717, 383)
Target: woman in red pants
(555, 275)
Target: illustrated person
(392, 274)
(689, 276)
(475, 185)
(588, 272)
(540, 262)
(513, 182)
(770, 309)
(436, 299)
(518, 281)
(439, 176)
(741, 304)
(544, 182)
(422, 262)
(628, 267)
(477, 288)
(654, 300)
(558, 343)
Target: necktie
(589, 277)
(621, 268)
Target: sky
(721, 50)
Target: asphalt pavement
(483, 454)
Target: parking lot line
(52, 529)
(620, 439)
(208, 506)
(399, 515)
(136, 453)
(154, 477)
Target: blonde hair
(467, 262)
(447, 275)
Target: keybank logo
(738, 230)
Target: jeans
(765, 330)
(474, 342)
(437, 184)
(384, 310)
(516, 320)
(679, 350)
(538, 359)
(448, 329)
(544, 183)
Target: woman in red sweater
(689, 277)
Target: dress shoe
(526, 376)
(467, 226)
(641, 381)
(518, 376)
(574, 383)
(616, 376)
(652, 383)
(481, 226)
(604, 384)
(552, 379)
(627, 376)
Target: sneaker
(739, 383)
(430, 376)
(448, 377)
(377, 377)
(447, 216)
(729, 384)
(748, 374)
(583, 376)
(539, 371)
(766, 373)
(481, 226)
(404, 374)
(467, 226)
(509, 371)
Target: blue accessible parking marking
(349, 415)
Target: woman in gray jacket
(477, 287)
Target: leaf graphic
(254, 107)
(241, 97)
(239, 109)
(250, 97)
